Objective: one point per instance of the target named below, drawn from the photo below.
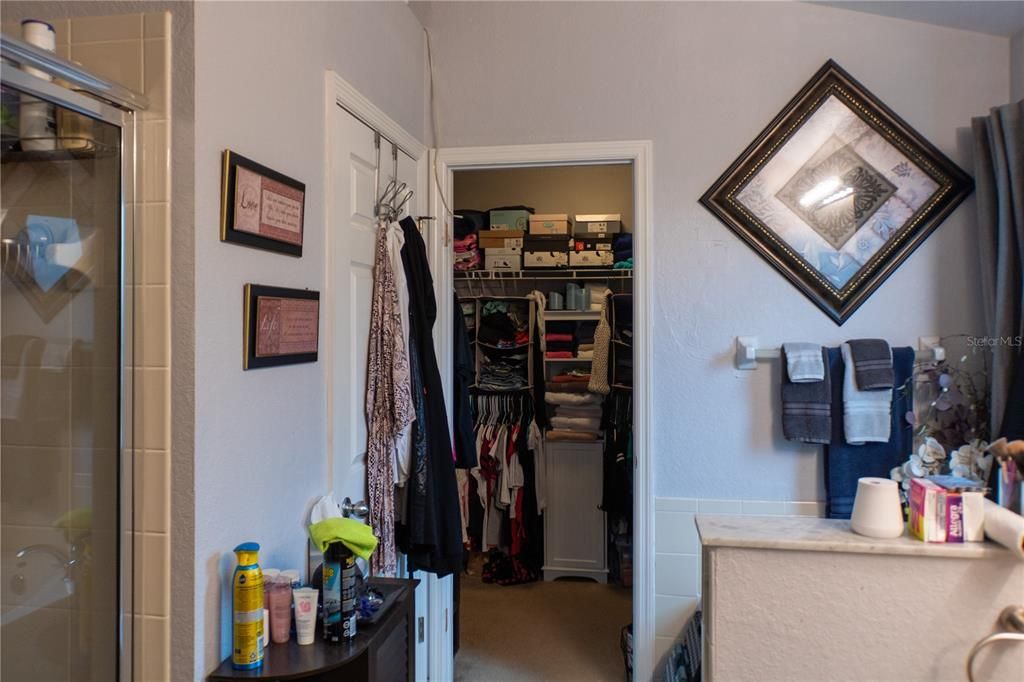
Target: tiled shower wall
(677, 561)
(134, 50)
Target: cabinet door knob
(358, 509)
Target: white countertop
(810, 534)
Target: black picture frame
(253, 293)
(868, 193)
(264, 237)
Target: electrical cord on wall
(449, 213)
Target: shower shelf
(89, 149)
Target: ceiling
(1000, 18)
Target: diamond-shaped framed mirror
(837, 191)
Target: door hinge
(446, 620)
(421, 630)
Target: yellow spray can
(247, 609)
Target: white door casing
(639, 153)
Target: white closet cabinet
(575, 540)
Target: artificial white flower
(931, 451)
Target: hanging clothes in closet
(430, 533)
(389, 408)
(501, 499)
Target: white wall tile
(677, 575)
(675, 533)
(706, 506)
(662, 645)
(671, 614)
(765, 508)
(676, 504)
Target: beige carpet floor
(562, 630)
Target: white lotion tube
(305, 613)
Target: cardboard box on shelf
(502, 262)
(597, 223)
(592, 244)
(591, 259)
(550, 223)
(501, 239)
(545, 259)
(510, 219)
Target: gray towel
(872, 364)
(807, 408)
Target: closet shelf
(572, 314)
(495, 347)
(579, 273)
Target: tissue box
(510, 219)
(597, 223)
(549, 223)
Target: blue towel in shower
(845, 463)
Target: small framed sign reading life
(260, 207)
(282, 326)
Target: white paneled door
(357, 173)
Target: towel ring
(1011, 618)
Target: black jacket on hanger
(431, 538)
(465, 437)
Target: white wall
(260, 435)
(701, 80)
(1017, 67)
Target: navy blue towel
(844, 463)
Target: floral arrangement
(952, 428)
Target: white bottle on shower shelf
(37, 119)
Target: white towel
(804, 362)
(573, 398)
(867, 415)
(576, 423)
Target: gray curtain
(999, 178)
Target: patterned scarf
(389, 408)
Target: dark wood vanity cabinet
(382, 652)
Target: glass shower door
(61, 436)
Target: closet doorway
(557, 515)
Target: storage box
(501, 239)
(517, 251)
(545, 259)
(548, 242)
(591, 259)
(597, 223)
(502, 262)
(549, 223)
(927, 511)
(510, 219)
(592, 244)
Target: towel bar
(748, 352)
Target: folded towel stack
(577, 416)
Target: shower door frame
(125, 121)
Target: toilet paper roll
(1005, 527)
(876, 509)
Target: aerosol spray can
(339, 593)
(247, 609)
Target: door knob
(358, 509)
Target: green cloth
(358, 537)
